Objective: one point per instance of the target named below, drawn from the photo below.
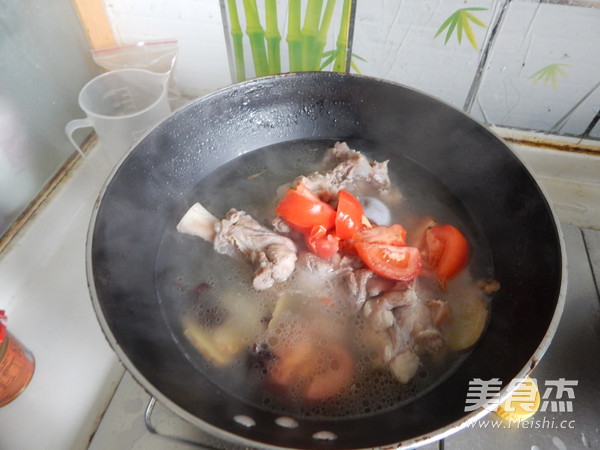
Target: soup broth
(199, 288)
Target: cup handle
(74, 125)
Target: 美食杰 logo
(557, 395)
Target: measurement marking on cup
(123, 100)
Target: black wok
(154, 184)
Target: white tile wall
(533, 36)
(397, 40)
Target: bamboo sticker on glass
(274, 36)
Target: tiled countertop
(570, 357)
(44, 291)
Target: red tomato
(321, 243)
(302, 209)
(390, 235)
(2, 326)
(390, 261)
(348, 219)
(447, 251)
(319, 372)
(334, 378)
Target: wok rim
(417, 441)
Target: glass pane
(44, 62)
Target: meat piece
(356, 282)
(241, 236)
(377, 285)
(281, 226)
(352, 168)
(414, 319)
(328, 269)
(341, 277)
(320, 277)
(346, 169)
(273, 256)
(401, 327)
(363, 284)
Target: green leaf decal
(331, 55)
(549, 74)
(461, 21)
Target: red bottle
(16, 364)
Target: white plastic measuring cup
(121, 106)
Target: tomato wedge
(348, 218)
(334, 377)
(390, 261)
(447, 251)
(319, 372)
(390, 235)
(303, 210)
(322, 243)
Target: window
(44, 62)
